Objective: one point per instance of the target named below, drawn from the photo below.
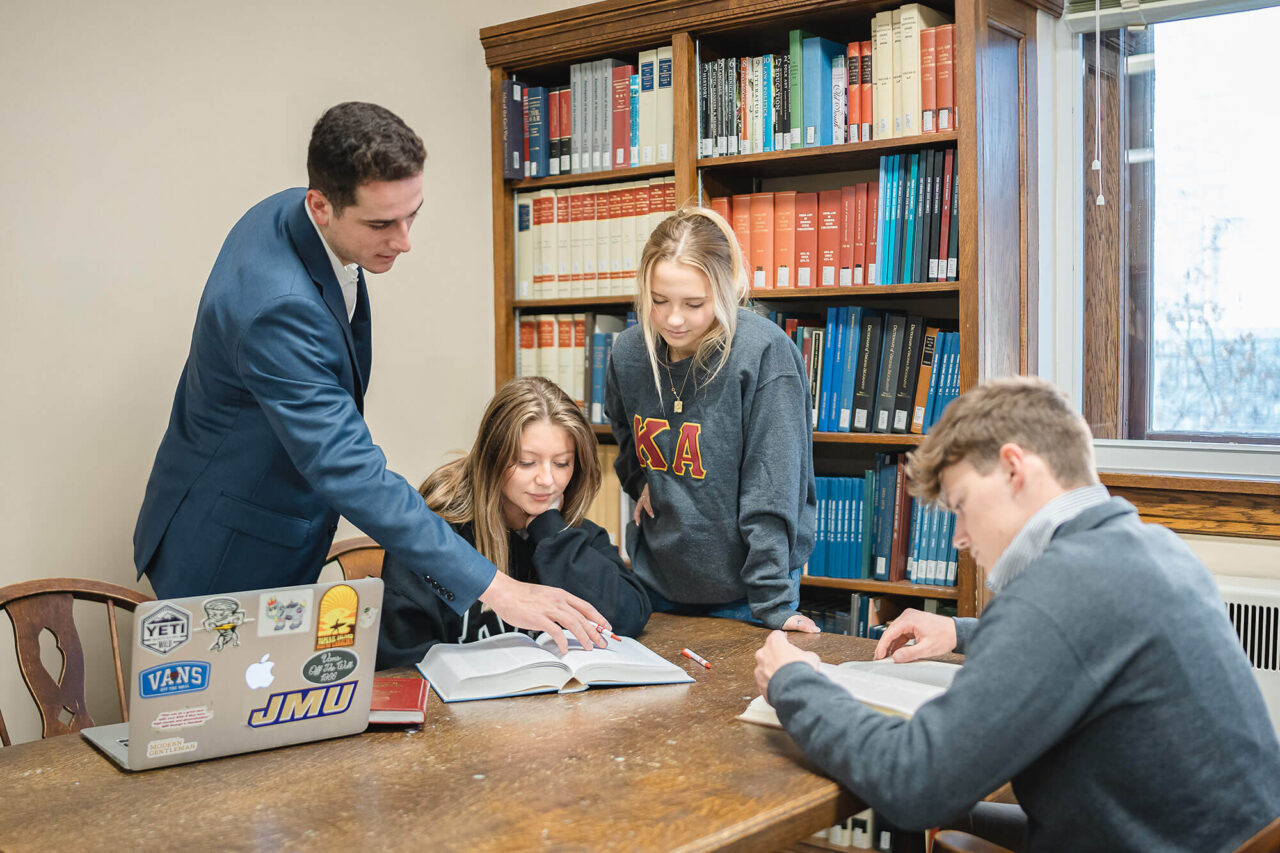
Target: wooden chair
(359, 557)
(954, 841)
(36, 605)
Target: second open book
(894, 688)
(514, 664)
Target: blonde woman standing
(520, 497)
(710, 408)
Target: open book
(894, 688)
(514, 665)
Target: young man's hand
(643, 507)
(934, 635)
(545, 608)
(776, 653)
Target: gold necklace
(679, 404)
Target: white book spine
(648, 107)
(664, 128)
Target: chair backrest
(359, 557)
(36, 605)
(1267, 840)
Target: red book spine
(860, 235)
(853, 61)
(741, 221)
(944, 241)
(901, 524)
(553, 132)
(566, 129)
(864, 49)
(828, 237)
(929, 80)
(621, 117)
(762, 241)
(945, 77)
(873, 209)
(806, 239)
(848, 229)
(784, 238)
(721, 206)
(669, 195)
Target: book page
(623, 660)
(893, 688)
(493, 655)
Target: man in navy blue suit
(266, 444)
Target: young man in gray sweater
(1103, 679)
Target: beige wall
(134, 135)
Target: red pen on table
(695, 657)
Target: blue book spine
(855, 553)
(766, 101)
(635, 120)
(935, 381)
(816, 567)
(909, 219)
(895, 227)
(952, 555)
(927, 540)
(599, 354)
(852, 335)
(828, 357)
(846, 550)
(886, 482)
(818, 53)
(539, 147)
(886, 231)
(913, 541)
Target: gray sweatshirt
(730, 477)
(1105, 680)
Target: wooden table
(637, 768)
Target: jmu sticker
(186, 676)
(336, 623)
(285, 612)
(305, 704)
(164, 629)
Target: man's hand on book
(934, 635)
(545, 608)
(776, 653)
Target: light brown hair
(700, 238)
(470, 488)
(1022, 410)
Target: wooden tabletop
(637, 768)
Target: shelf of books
(844, 143)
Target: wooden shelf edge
(1193, 483)
(884, 439)
(821, 152)
(864, 291)
(885, 587)
(612, 176)
(575, 302)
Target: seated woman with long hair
(520, 497)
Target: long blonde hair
(700, 238)
(469, 489)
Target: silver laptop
(223, 674)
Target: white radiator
(1253, 604)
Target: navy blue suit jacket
(267, 443)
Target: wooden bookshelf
(882, 587)
(995, 144)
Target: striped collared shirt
(1032, 540)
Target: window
(1182, 262)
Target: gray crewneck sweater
(730, 477)
(1105, 680)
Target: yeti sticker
(282, 613)
(164, 629)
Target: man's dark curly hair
(355, 143)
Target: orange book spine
(929, 80)
(828, 237)
(621, 149)
(864, 48)
(860, 235)
(669, 195)
(873, 214)
(853, 62)
(806, 239)
(762, 241)
(848, 229)
(927, 354)
(784, 238)
(741, 221)
(721, 206)
(945, 76)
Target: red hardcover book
(669, 195)
(784, 238)
(860, 235)
(721, 206)
(864, 48)
(853, 61)
(553, 132)
(740, 206)
(873, 211)
(901, 524)
(929, 80)
(945, 77)
(399, 700)
(848, 230)
(621, 117)
(566, 129)
(828, 237)
(944, 235)
(806, 239)
(762, 241)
